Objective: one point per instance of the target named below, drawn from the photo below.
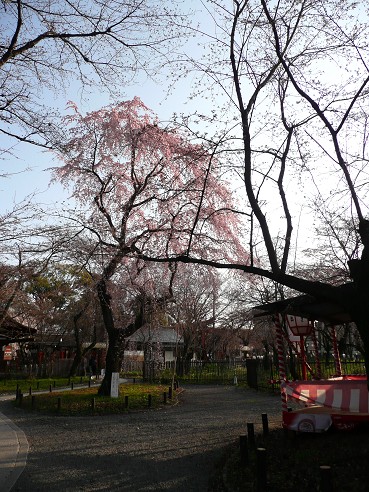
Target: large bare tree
(295, 77)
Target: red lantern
(300, 327)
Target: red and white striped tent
(340, 401)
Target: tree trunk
(113, 361)
(115, 342)
(76, 362)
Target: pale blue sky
(27, 167)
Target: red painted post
(281, 365)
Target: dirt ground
(171, 449)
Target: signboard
(114, 388)
(8, 353)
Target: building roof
(12, 331)
(163, 335)
(308, 307)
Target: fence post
(251, 434)
(165, 397)
(261, 469)
(244, 454)
(325, 479)
(170, 392)
(264, 418)
(252, 373)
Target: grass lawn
(85, 401)
(43, 384)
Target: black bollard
(244, 453)
(126, 401)
(325, 479)
(164, 397)
(261, 469)
(264, 418)
(251, 435)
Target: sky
(27, 169)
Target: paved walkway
(172, 449)
(13, 452)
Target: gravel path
(172, 449)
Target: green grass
(43, 384)
(85, 401)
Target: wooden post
(170, 392)
(251, 435)
(261, 469)
(50, 388)
(89, 382)
(30, 391)
(325, 479)
(264, 418)
(72, 385)
(165, 397)
(244, 454)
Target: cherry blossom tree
(142, 188)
